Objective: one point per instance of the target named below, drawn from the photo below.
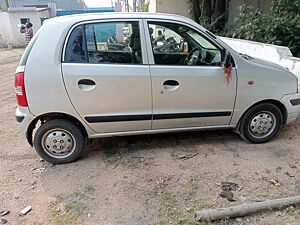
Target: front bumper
(24, 118)
(292, 104)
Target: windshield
(200, 40)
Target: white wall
(10, 32)
(6, 38)
(274, 53)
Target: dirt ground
(152, 179)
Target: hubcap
(262, 124)
(58, 143)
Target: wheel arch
(48, 116)
(277, 103)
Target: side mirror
(227, 59)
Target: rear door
(188, 82)
(107, 77)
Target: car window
(117, 42)
(76, 47)
(175, 44)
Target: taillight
(20, 89)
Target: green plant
(70, 209)
(281, 26)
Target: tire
(59, 141)
(261, 123)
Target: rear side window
(76, 47)
(107, 42)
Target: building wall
(5, 31)
(10, 32)
(60, 4)
(179, 7)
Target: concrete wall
(179, 7)
(10, 32)
(6, 37)
(274, 53)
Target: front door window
(175, 44)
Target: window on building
(24, 20)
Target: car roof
(76, 18)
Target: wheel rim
(262, 125)
(58, 143)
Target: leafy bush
(281, 26)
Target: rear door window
(116, 42)
(107, 42)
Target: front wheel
(58, 141)
(261, 123)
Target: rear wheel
(59, 141)
(261, 123)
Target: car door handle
(86, 82)
(170, 85)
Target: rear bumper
(292, 104)
(24, 118)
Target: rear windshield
(28, 49)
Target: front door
(106, 76)
(188, 82)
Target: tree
(281, 26)
(212, 14)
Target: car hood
(268, 63)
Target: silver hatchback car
(101, 75)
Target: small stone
(239, 220)
(289, 175)
(242, 198)
(292, 166)
(17, 197)
(20, 180)
(4, 212)
(25, 210)
(3, 221)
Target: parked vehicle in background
(115, 74)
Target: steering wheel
(188, 61)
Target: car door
(107, 77)
(188, 91)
